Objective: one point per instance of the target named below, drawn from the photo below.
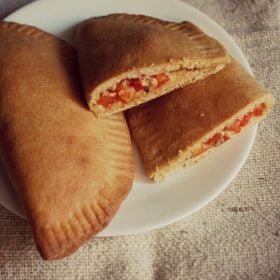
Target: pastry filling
(235, 127)
(129, 89)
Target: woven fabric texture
(237, 236)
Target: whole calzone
(70, 170)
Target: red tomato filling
(127, 89)
(235, 127)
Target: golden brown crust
(173, 124)
(118, 46)
(70, 170)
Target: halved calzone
(126, 60)
(180, 128)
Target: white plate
(149, 205)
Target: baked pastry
(126, 60)
(180, 128)
(70, 170)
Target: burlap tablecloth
(237, 236)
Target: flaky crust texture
(71, 171)
(174, 123)
(112, 45)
